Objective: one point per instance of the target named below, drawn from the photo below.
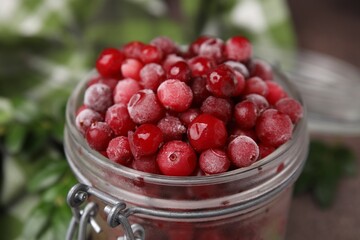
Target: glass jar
(247, 203)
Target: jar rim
(122, 170)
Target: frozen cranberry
(189, 115)
(151, 54)
(179, 70)
(195, 46)
(118, 118)
(245, 114)
(200, 93)
(291, 107)
(260, 102)
(125, 89)
(151, 75)
(213, 161)
(98, 97)
(165, 44)
(256, 85)
(99, 135)
(176, 158)
(111, 82)
(118, 150)
(175, 95)
(238, 67)
(238, 48)
(146, 164)
(109, 62)
(212, 48)
(85, 118)
(243, 151)
(200, 66)
(172, 128)
(144, 107)
(206, 131)
(274, 128)
(146, 140)
(221, 81)
(276, 92)
(265, 150)
(239, 84)
(261, 69)
(170, 60)
(218, 107)
(133, 49)
(131, 68)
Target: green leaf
(6, 111)
(15, 137)
(38, 221)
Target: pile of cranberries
(204, 110)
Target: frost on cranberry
(276, 92)
(125, 89)
(146, 140)
(151, 75)
(256, 85)
(261, 69)
(118, 118)
(144, 107)
(170, 60)
(165, 44)
(221, 81)
(274, 128)
(151, 54)
(218, 107)
(200, 66)
(118, 150)
(111, 82)
(98, 97)
(180, 71)
(291, 107)
(109, 62)
(99, 135)
(189, 115)
(212, 48)
(243, 151)
(176, 158)
(214, 161)
(260, 102)
(172, 128)
(175, 95)
(238, 67)
(245, 114)
(85, 118)
(131, 68)
(238, 48)
(195, 46)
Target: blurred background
(47, 46)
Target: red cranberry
(151, 75)
(133, 49)
(99, 135)
(125, 89)
(290, 107)
(274, 128)
(256, 85)
(170, 60)
(260, 102)
(144, 107)
(214, 161)
(238, 67)
(239, 84)
(131, 68)
(265, 150)
(111, 82)
(165, 44)
(146, 164)
(243, 151)
(189, 115)
(221, 81)
(200, 93)
(195, 46)
(172, 128)
(243, 132)
(206, 131)
(98, 97)
(151, 54)
(85, 118)
(238, 48)
(212, 48)
(276, 92)
(109, 62)
(179, 70)
(146, 140)
(245, 114)
(118, 118)
(200, 66)
(118, 150)
(175, 95)
(176, 158)
(261, 69)
(218, 107)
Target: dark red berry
(172, 128)
(180, 71)
(125, 89)
(85, 117)
(238, 67)
(131, 68)
(200, 93)
(175, 95)
(200, 66)
(256, 85)
(221, 81)
(189, 115)
(165, 44)
(238, 48)
(261, 69)
(146, 140)
(99, 135)
(151, 75)
(265, 150)
(118, 118)
(170, 60)
(109, 63)
(195, 46)
(133, 49)
(239, 84)
(176, 158)
(274, 128)
(151, 54)
(276, 92)
(118, 150)
(212, 48)
(218, 107)
(146, 164)
(206, 131)
(260, 102)
(245, 114)
(98, 97)
(144, 107)
(243, 151)
(243, 132)
(214, 161)
(290, 107)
